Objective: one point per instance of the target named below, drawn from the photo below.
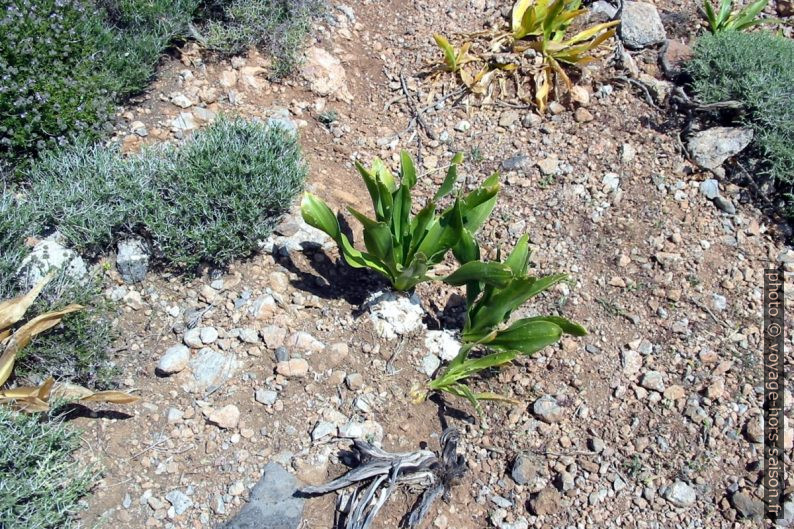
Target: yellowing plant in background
(539, 25)
(12, 341)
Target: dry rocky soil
(650, 421)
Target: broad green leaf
(419, 226)
(467, 248)
(407, 169)
(518, 260)
(725, 10)
(382, 174)
(317, 214)
(372, 187)
(386, 200)
(413, 274)
(452, 175)
(377, 237)
(493, 273)
(712, 18)
(526, 337)
(567, 326)
(442, 235)
(519, 9)
(474, 365)
(505, 301)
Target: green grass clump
(41, 482)
(210, 200)
(756, 69)
(277, 26)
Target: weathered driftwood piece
(380, 472)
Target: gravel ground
(652, 420)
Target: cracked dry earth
(651, 421)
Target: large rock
(711, 147)
(680, 494)
(394, 314)
(211, 368)
(273, 503)
(294, 235)
(443, 344)
(640, 25)
(49, 255)
(325, 74)
(132, 260)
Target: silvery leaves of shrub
(12, 341)
(488, 309)
(404, 248)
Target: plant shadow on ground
(334, 279)
(444, 411)
(74, 410)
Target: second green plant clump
(404, 248)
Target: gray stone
(49, 255)
(680, 494)
(640, 25)
(282, 355)
(747, 506)
(132, 260)
(179, 500)
(547, 409)
(323, 429)
(211, 368)
(184, 122)
(248, 335)
(174, 360)
(266, 396)
(601, 11)
(430, 363)
(720, 303)
(273, 503)
(653, 380)
(192, 338)
(462, 126)
(516, 163)
(281, 118)
(524, 469)
(725, 205)
(710, 188)
(302, 238)
(208, 335)
(711, 147)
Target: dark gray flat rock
(273, 504)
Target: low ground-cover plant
(64, 64)
(52, 84)
(488, 310)
(757, 70)
(536, 25)
(278, 26)
(41, 481)
(726, 19)
(401, 247)
(211, 200)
